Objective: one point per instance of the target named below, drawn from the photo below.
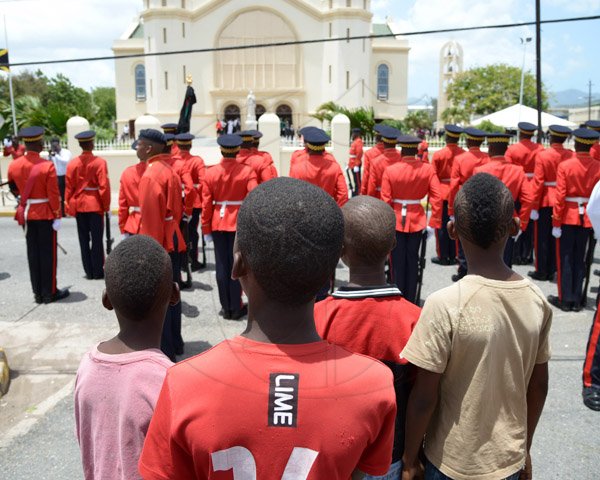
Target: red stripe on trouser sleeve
(591, 351)
(54, 241)
(558, 269)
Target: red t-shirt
(247, 410)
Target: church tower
(451, 64)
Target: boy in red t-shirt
(369, 316)
(277, 401)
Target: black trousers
(230, 291)
(61, 189)
(405, 263)
(356, 176)
(508, 252)
(90, 228)
(445, 246)
(194, 236)
(524, 245)
(171, 340)
(41, 256)
(571, 248)
(544, 243)
(591, 365)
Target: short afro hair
(369, 229)
(290, 233)
(483, 210)
(134, 273)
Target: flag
(186, 111)
(4, 60)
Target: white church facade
(291, 81)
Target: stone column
(268, 124)
(340, 138)
(75, 125)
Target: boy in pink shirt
(119, 380)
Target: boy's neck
(367, 276)
(132, 337)
(489, 264)
(281, 324)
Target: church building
(291, 81)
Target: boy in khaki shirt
(481, 348)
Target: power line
(303, 42)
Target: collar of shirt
(499, 158)
(32, 156)
(367, 292)
(474, 149)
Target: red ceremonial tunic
(246, 409)
(188, 192)
(378, 166)
(575, 180)
(411, 180)
(87, 187)
(264, 169)
(543, 185)
(14, 152)
(44, 187)
(158, 193)
(129, 198)
(423, 151)
(442, 161)
(595, 151)
(356, 153)
(513, 177)
(224, 188)
(523, 153)
(196, 169)
(368, 157)
(324, 172)
(462, 170)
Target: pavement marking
(37, 413)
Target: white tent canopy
(511, 116)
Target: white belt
(91, 189)
(134, 209)
(579, 200)
(549, 184)
(196, 185)
(404, 203)
(378, 189)
(36, 201)
(353, 156)
(529, 175)
(225, 203)
(169, 219)
(445, 180)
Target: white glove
(7, 142)
(125, 236)
(534, 215)
(430, 232)
(556, 232)
(356, 169)
(56, 224)
(451, 218)
(185, 218)
(519, 233)
(208, 238)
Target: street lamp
(524, 42)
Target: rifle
(422, 256)
(350, 180)
(109, 239)
(589, 259)
(188, 249)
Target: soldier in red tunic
(390, 155)
(594, 125)
(355, 160)
(370, 155)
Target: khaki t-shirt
(484, 336)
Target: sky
(58, 29)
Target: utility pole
(538, 54)
(10, 85)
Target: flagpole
(10, 85)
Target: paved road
(45, 343)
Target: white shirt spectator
(593, 209)
(60, 161)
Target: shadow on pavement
(4, 275)
(196, 285)
(74, 297)
(189, 311)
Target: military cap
(134, 145)
(409, 141)
(527, 127)
(85, 136)
(169, 127)
(316, 136)
(498, 137)
(306, 129)
(256, 134)
(356, 130)
(378, 127)
(184, 138)
(453, 131)
(390, 134)
(152, 135)
(169, 139)
(586, 136)
(246, 135)
(474, 134)
(559, 131)
(593, 124)
(229, 143)
(31, 134)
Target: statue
(251, 107)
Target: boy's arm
(536, 397)
(421, 404)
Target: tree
(363, 118)
(484, 90)
(105, 106)
(418, 120)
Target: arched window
(140, 83)
(260, 110)
(383, 82)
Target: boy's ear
(175, 296)
(106, 301)
(240, 267)
(451, 230)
